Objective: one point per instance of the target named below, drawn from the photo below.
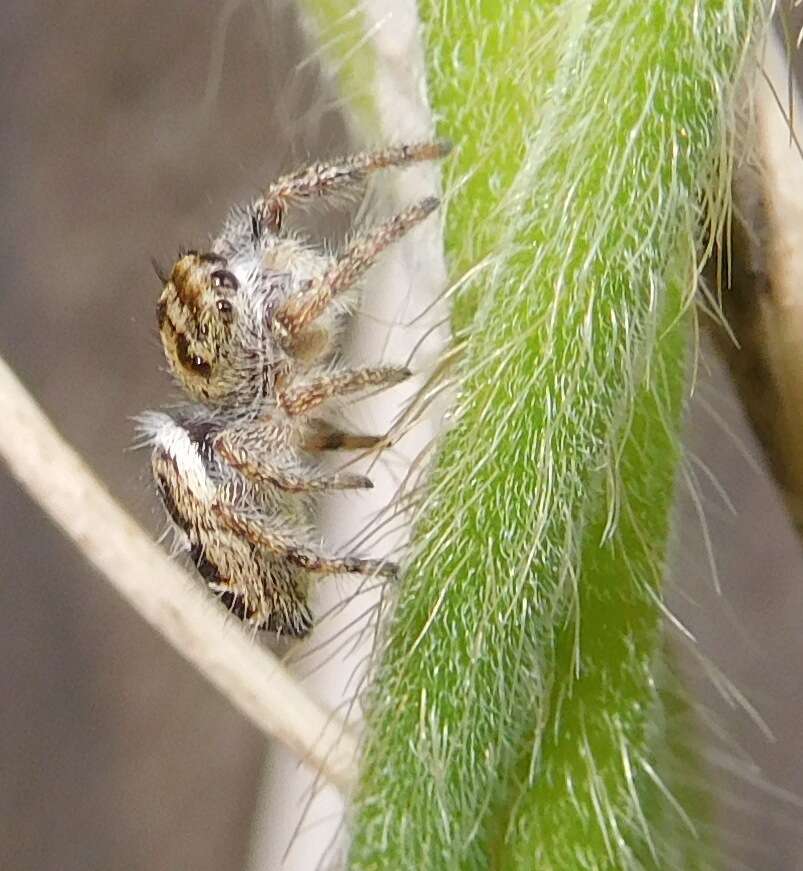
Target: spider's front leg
(300, 310)
(322, 179)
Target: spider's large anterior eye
(191, 361)
(224, 278)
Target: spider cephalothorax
(213, 321)
(249, 329)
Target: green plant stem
(588, 133)
(587, 806)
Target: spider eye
(211, 257)
(204, 330)
(224, 306)
(224, 278)
(191, 361)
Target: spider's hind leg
(282, 547)
(253, 465)
(325, 437)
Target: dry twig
(250, 677)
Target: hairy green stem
(510, 708)
(587, 806)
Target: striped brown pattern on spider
(249, 331)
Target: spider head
(197, 314)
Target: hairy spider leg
(304, 397)
(260, 471)
(260, 535)
(295, 315)
(325, 178)
(325, 437)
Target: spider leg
(304, 397)
(322, 179)
(282, 547)
(300, 310)
(325, 437)
(260, 471)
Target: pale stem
(250, 677)
(409, 280)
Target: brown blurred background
(128, 128)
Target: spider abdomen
(193, 482)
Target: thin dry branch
(250, 677)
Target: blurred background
(128, 129)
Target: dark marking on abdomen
(206, 568)
(236, 605)
(170, 503)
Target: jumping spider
(248, 329)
